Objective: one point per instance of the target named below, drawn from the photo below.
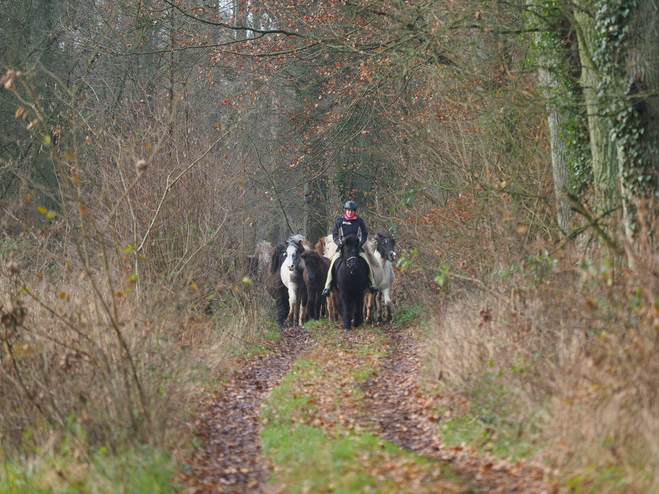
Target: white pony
(381, 254)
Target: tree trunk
(603, 150)
(559, 151)
(639, 158)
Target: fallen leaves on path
(402, 414)
(231, 459)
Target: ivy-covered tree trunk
(637, 124)
(603, 149)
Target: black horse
(276, 287)
(351, 278)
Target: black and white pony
(272, 277)
(291, 272)
(350, 276)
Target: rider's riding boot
(325, 292)
(374, 289)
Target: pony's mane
(296, 238)
(370, 245)
(299, 238)
(320, 246)
(351, 239)
(311, 253)
(371, 256)
(275, 258)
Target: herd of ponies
(294, 274)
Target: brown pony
(315, 274)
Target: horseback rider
(348, 224)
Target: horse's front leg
(386, 298)
(323, 308)
(311, 306)
(304, 312)
(282, 310)
(368, 304)
(293, 304)
(359, 313)
(378, 306)
(346, 311)
(332, 307)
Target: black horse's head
(311, 263)
(350, 250)
(385, 246)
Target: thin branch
(171, 184)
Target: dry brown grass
(65, 365)
(104, 319)
(577, 356)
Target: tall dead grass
(125, 377)
(575, 353)
(110, 316)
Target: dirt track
(407, 418)
(231, 459)
(394, 408)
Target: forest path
(323, 413)
(231, 459)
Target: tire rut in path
(231, 459)
(401, 415)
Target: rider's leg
(373, 287)
(328, 283)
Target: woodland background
(147, 146)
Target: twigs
(594, 222)
(171, 184)
(478, 282)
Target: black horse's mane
(276, 258)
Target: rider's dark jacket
(348, 227)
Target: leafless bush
(105, 278)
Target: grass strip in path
(314, 435)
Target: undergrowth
(136, 471)
(559, 366)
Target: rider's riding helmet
(350, 205)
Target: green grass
(308, 460)
(408, 316)
(492, 421)
(142, 470)
(332, 457)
